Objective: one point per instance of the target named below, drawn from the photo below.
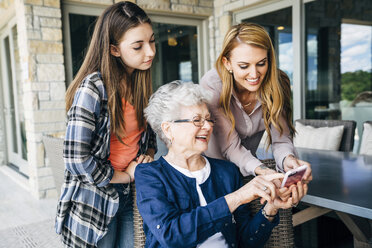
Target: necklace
(247, 105)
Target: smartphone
(293, 176)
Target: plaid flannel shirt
(88, 201)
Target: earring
(230, 71)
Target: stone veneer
(42, 82)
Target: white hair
(166, 102)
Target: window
(180, 49)
(177, 54)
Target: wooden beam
(354, 229)
(307, 214)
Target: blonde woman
(250, 95)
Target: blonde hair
(273, 93)
(109, 29)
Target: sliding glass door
(15, 136)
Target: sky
(356, 44)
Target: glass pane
(279, 25)
(81, 30)
(20, 111)
(11, 106)
(176, 54)
(339, 57)
(176, 57)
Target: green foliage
(353, 83)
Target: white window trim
(200, 22)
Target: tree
(353, 83)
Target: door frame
(10, 156)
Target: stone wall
(222, 20)
(41, 52)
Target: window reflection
(339, 59)
(81, 31)
(356, 75)
(176, 54)
(176, 49)
(279, 26)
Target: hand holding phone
(293, 176)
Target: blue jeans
(120, 230)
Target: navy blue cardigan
(169, 205)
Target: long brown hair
(109, 29)
(274, 96)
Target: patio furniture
(366, 144)
(342, 182)
(347, 140)
(53, 145)
(282, 235)
(139, 234)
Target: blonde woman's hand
(291, 162)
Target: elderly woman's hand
(297, 193)
(291, 162)
(259, 187)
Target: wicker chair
(281, 236)
(347, 140)
(54, 152)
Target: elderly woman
(189, 200)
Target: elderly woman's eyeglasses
(197, 121)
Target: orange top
(122, 154)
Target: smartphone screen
(293, 176)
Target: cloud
(286, 57)
(351, 34)
(350, 64)
(312, 48)
(358, 49)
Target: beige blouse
(240, 147)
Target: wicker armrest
(139, 234)
(282, 235)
